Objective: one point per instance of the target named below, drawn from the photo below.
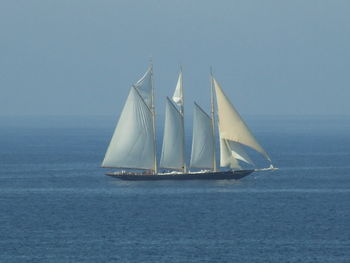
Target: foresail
(178, 93)
(132, 143)
(172, 150)
(231, 125)
(226, 157)
(144, 87)
(202, 140)
(238, 152)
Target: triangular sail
(226, 157)
(172, 151)
(202, 140)
(231, 125)
(144, 87)
(132, 143)
(238, 152)
(178, 93)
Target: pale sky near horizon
(79, 57)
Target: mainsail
(178, 98)
(173, 148)
(132, 144)
(231, 125)
(202, 140)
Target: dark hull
(236, 175)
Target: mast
(154, 123)
(212, 118)
(183, 125)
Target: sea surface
(56, 204)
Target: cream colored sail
(231, 125)
(172, 151)
(202, 140)
(132, 144)
(238, 152)
(226, 157)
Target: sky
(80, 57)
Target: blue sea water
(56, 205)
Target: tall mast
(154, 123)
(213, 118)
(183, 125)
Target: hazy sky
(79, 57)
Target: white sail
(132, 142)
(178, 93)
(238, 152)
(172, 150)
(231, 125)
(144, 87)
(226, 157)
(202, 140)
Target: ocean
(56, 204)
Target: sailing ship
(132, 149)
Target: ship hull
(224, 175)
